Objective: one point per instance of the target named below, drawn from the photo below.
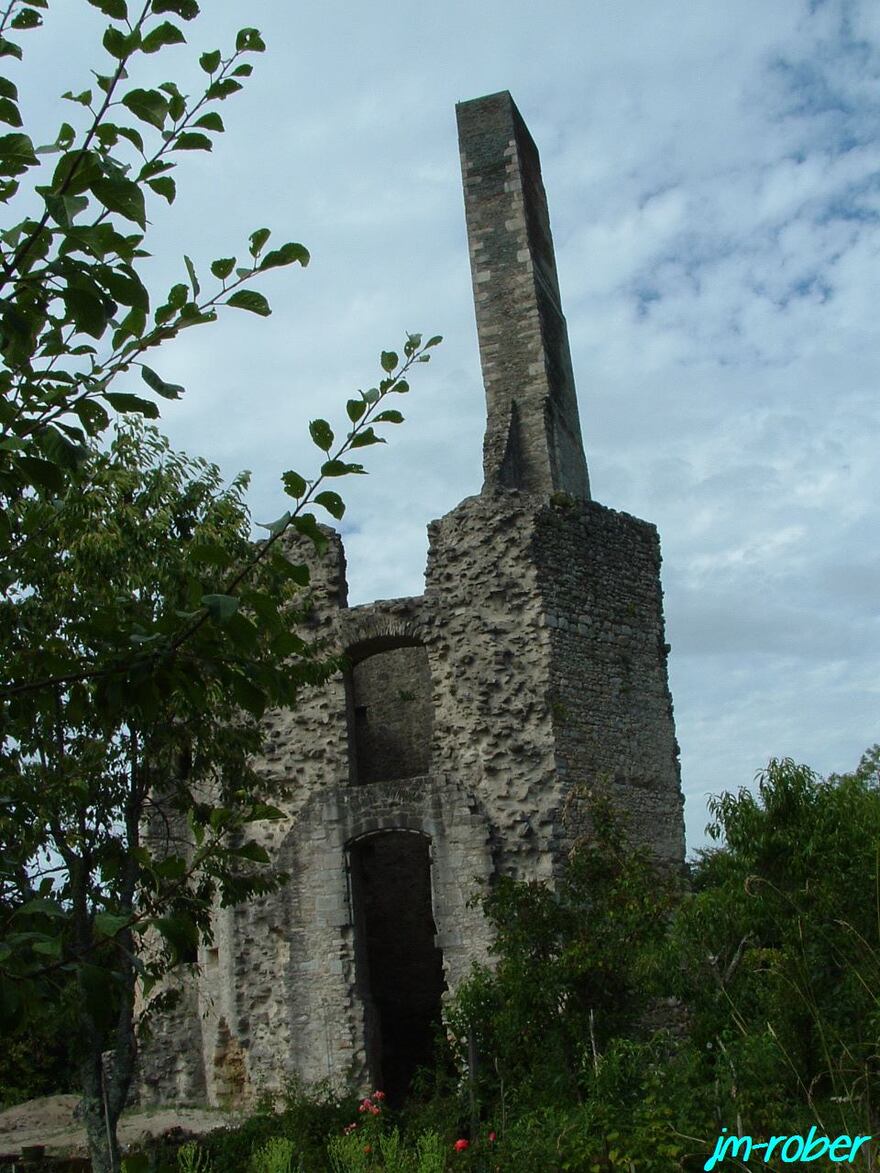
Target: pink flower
(461, 1145)
(378, 1095)
(349, 1128)
(492, 1138)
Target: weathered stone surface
(473, 716)
(533, 437)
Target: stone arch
(398, 964)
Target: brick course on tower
(454, 749)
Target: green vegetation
(142, 632)
(631, 1016)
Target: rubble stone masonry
(473, 717)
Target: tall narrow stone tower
(471, 717)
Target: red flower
(461, 1145)
(492, 1138)
(378, 1095)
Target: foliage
(305, 1118)
(769, 968)
(780, 944)
(275, 1156)
(191, 1158)
(39, 1059)
(143, 633)
(567, 976)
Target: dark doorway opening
(399, 967)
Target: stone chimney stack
(533, 434)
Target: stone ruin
(471, 717)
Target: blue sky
(713, 173)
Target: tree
(779, 946)
(143, 633)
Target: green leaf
(41, 906)
(124, 286)
(76, 171)
(252, 850)
(149, 106)
(389, 417)
(339, 468)
(9, 49)
(94, 418)
(193, 280)
(64, 209)
(116, 9)
(253, 701)
(220, 607)
(223, 267)
(288, 254)
(87, 309)
(8, 89)
(306, 525)
(117, 44)
(186, 9)
(435, 341)
(249, 299)
(49, 947)
(84, 99)
(365, 438)
(122, 196)
(294, 484)
(210, 62)
(16, 154)
(210, 121)
(332, 502)
(389, 360)
(132, 326)
(165, 186)
(322, 434)
(176, 100)
(26, 18)
(180, 933)
(192, 141)
(221, 90)
(258, 240)
(249, 41)
(122, 401)
(65, 137)
(355, 409)
(108, 924)
(42, 473)
(164, 34)
(9, 112)
(155, 383)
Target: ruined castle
(533, 665)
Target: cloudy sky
(713, 171)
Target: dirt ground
(49, 1121)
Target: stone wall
(469, 722)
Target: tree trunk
(100, 1122)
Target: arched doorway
(399, 967)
